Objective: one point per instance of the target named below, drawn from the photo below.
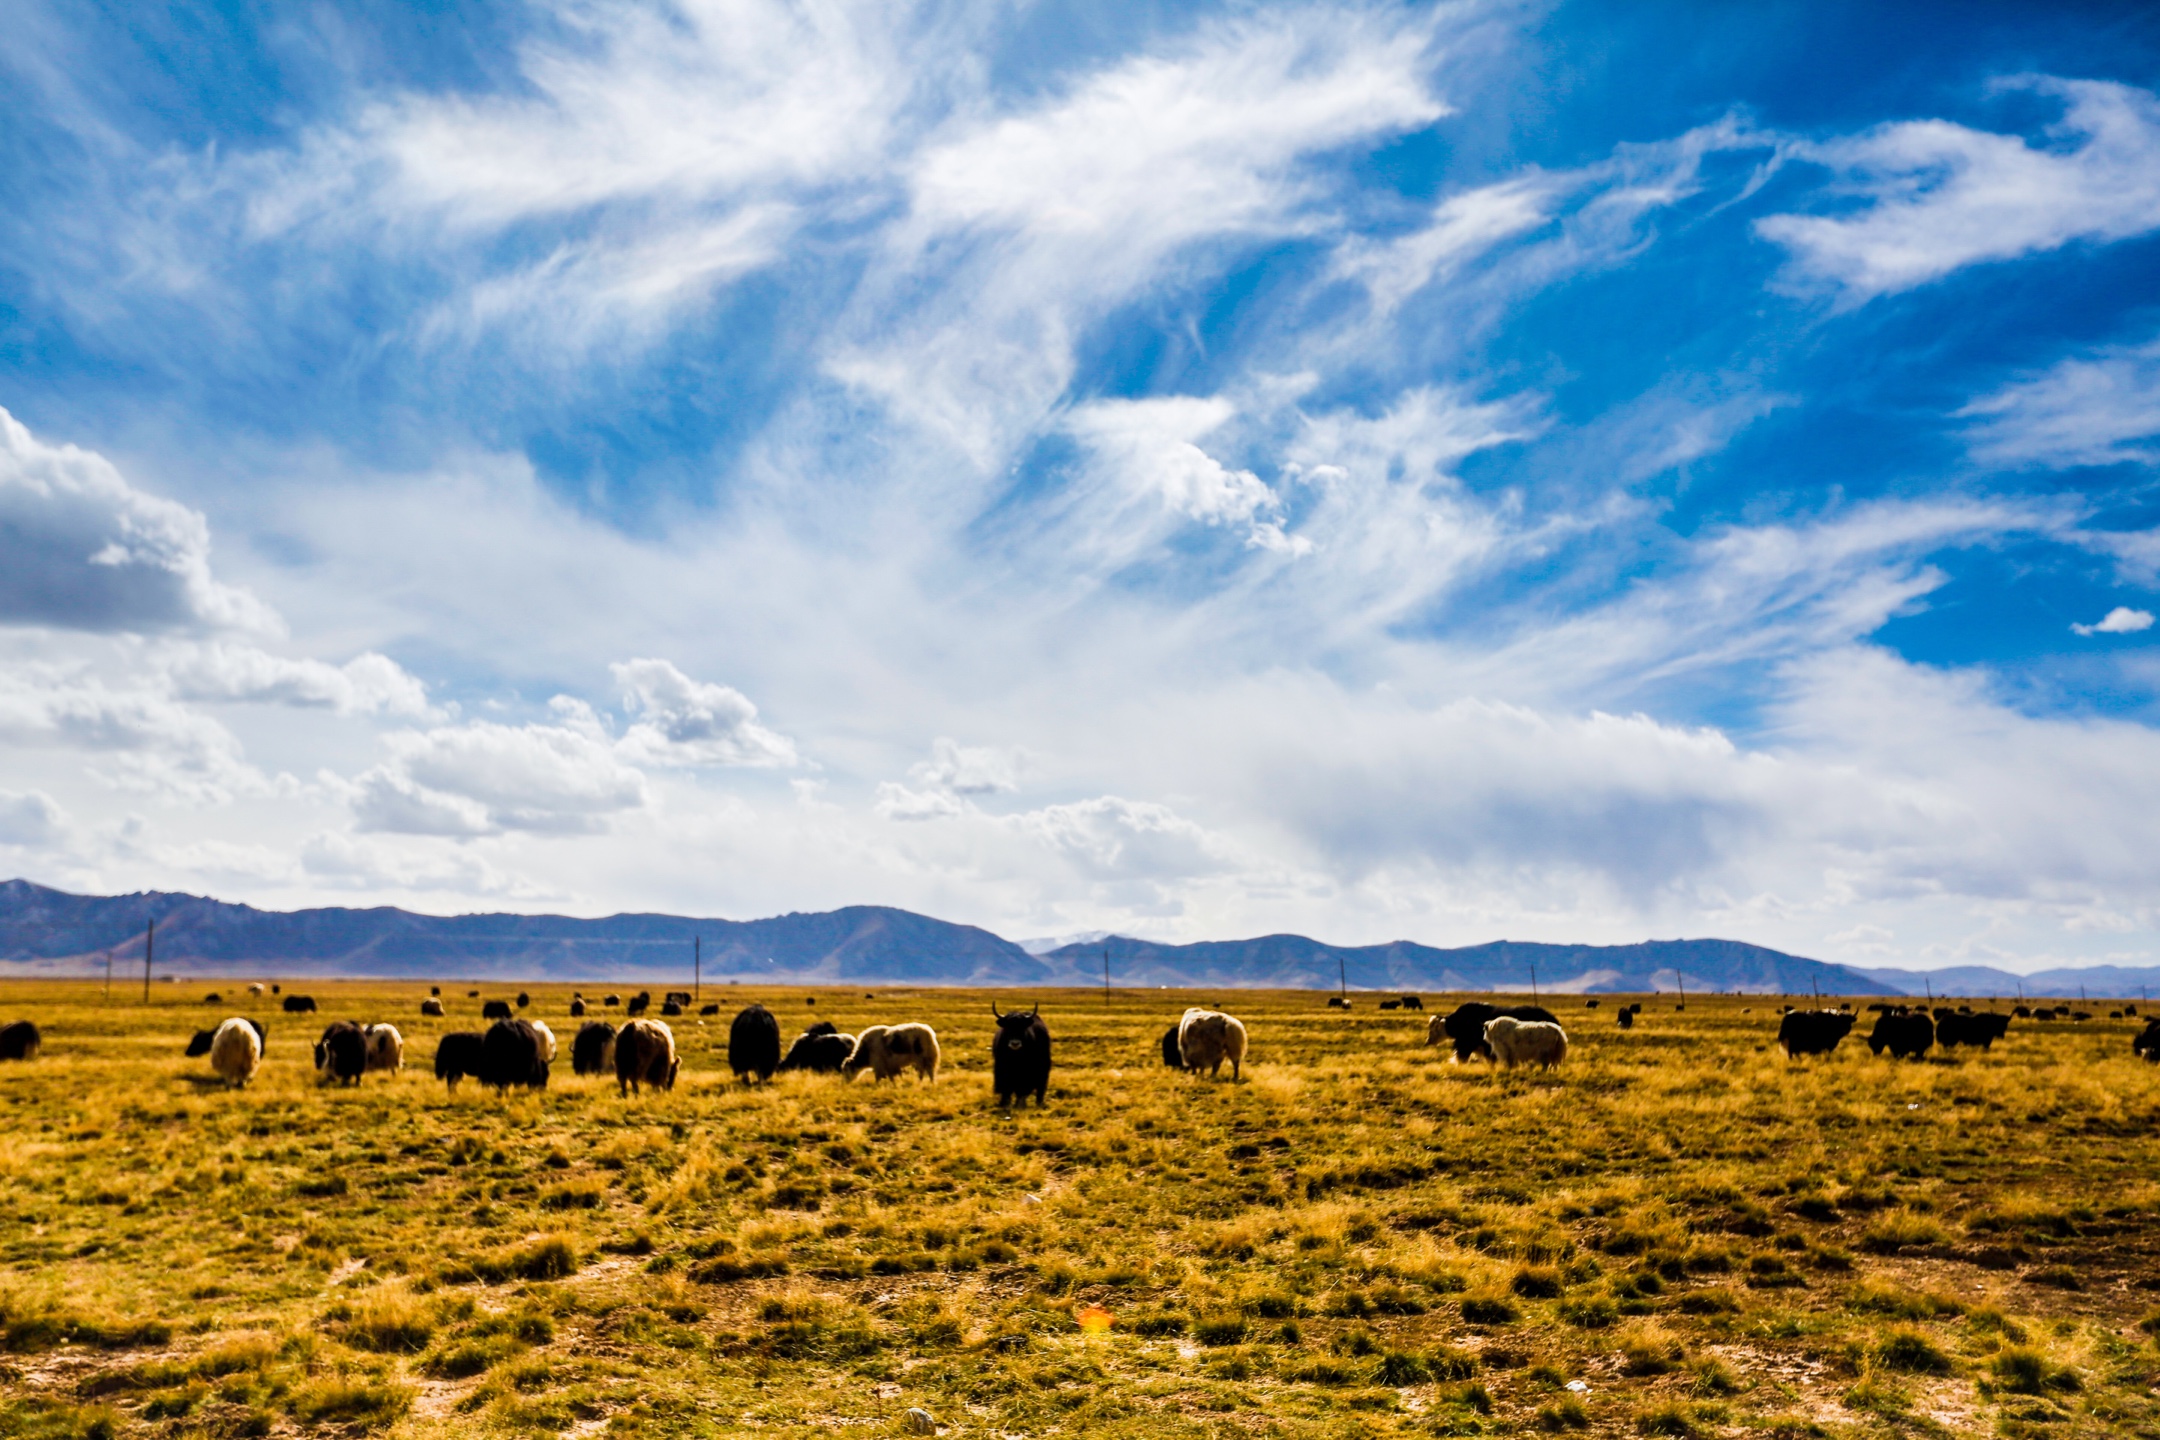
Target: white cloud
(968, 769)
(360, 863)
(1111, 837)
(2086, 410)
(144, 740)
(897, 802)
(691, 722)
(1149, 468)
(31, 819)
(1937, 196)
(81, 549)
(483, 777)
(2122, 620)
(369, 684)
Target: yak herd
(514, 1052)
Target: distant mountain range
(46, 931)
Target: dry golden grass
(1680, 1233)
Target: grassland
(1681, 1233)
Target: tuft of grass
(390, 1321)
(1913, 1353)
(1564, 1414)
(1897, 1230)
(2024, 1371)
(364, 1404)
(1537, 1283)
(1489, 1310)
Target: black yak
(1412, 1002)
(513, 1052)
(1020, 1056)
(299, 1004)
(19, 1041)
(1906, 1037)
(523, 1000)
(2146, 1044)
(1626, 1017)
(645, 1055)
(457, 1055)
(1171, 1055)
(1964, 1028)
(1466, 1025)
(592, 1049)
(1813, 1032)
(712, 1009)
(341, 1054)
(753, 1044)
(822, 1049)
(495, 1010)
(577, 1008)
(639, 1002)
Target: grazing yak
(19, 1041)
(431, 1007)
(678, 997)
(612, 1000)
(2146, 1044)
(255, 988)
(1020, 1057)
(1465, 1025)
(1391, 1004)
(236, 1049)
(1338, 1002)
(1626, 1017)
(1412, 1002)
(1206, 1038)
(385, 1048)
(645, 1055)
(213, 998)
(547, 1040)
(1812, 1032)
(1906, 1036)
(1171, 1055)
(822, 1049)
(342, 1053)
(1526, 1042)
(592, 1049)
(712, 1009)
(1966, 1028)
(514, 1052)
(299, 1004)
(670, 1007)
(457, 1055)
(753, 1044)
(577, 1009)
(640, 1002)
(523, 999)
(495, 1010)
(886, 1050)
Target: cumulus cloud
(2097, 409)
(897, 802)
(81, 549)
(1111, 837)
(692, 722)
(29, 819)
(482, 777)
(2122, 620)
(1937, 196)
(354, 862)
(1149, 467)
(968, 769)
(143, 739)
(369, 684)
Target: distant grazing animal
(273, 989)
(1526, 1042)
(341, 1054)
(1206, 1038)
(753, 1044)
(457, 1055)
(2130, 1010)
(1020, 1057)
(592, 1049)
(434, 989)
(1812, 1032)
(495, 1010)
(1966, 1028)
(640, 1002)
(612, 1000)
(2023, 1012)
(678, 997)
(523, 999)
(385, 1048)
(235, 1049)
(1337, 1002)
(1391, 1004)
(1171, 1055)
(1412, 1002)
(2081, 1015)
(514, 1052)
(712, 1009)
(472, 994)
(645, 1055)
(886, 1050)
(1626, 1017)
(1907, 1037)
(431, 1006)
(547, 1039)
(822, 1050)
(2146, 1044)
(577, 1009)
(1591, 1003)
(19, 1041)
(299, 1004)
(213, 998)
(1465, 1025)
(2115, 1015)
(256, 988)
(669, 1007)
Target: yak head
(1014, 1026)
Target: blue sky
(1572, 472)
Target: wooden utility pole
(1680, 979)
(1342, 976)
(149, 949)
(1533, 984)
